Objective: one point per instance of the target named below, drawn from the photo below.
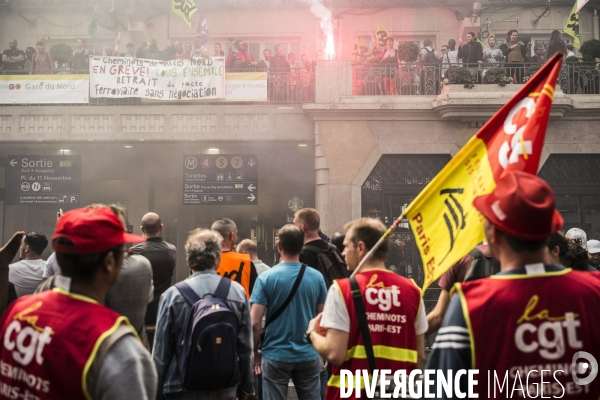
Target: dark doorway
(575, 179)
(392, 185)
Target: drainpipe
(596, 24)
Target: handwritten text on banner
(195, 79)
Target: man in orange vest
(533, 327)
(391, 305)
(235, 266)
(65, 343)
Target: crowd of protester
(385, 72)
(287, 80)
(106, 322)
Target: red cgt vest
(523, 324)
(49, 343)
(392, 303)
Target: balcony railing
(413, 79)
(299, 85)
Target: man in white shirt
(342, 343)
(492, 56)
(249, 247)
(26, 274)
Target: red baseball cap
(522, 205)
(91, 230)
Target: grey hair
(224, 226)
(202, 249)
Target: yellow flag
(442, 217)
(572, 26)
(361, 49)
(185, 9)
(382, 34)
(481, 43)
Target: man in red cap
(64, 343)
(527, 328)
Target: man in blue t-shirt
(285, 353)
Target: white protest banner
(195, 79)
(246, 86)
(44, 89)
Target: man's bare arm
(435, 318)
(333, 346)
(257, 311)
(420, 351)
(7, 253)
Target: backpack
(330, 263)
(430, 57)
(482, 266)
(208, 357)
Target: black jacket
(471, 53)
(554, 48)
(162, 257)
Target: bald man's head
(151, 225)
(248, 246)
(228, 230)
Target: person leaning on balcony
(240, 55)
(13, 58)
(449, 58)
(428, 57)
(539, 54)
(29, 53)
(218, 50)
(389, 80)
(471, 53)
(555, 45)
(42, 61)
(280, 71)
(358, 81)
(514, 50)
(79, 63)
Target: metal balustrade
(298, 85)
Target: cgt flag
(572, 25)
(185, 9)
(445, 224)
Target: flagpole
(382, 239)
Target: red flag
(515, 135)
(442, 217)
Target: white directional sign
(42, 179)
(220, 179)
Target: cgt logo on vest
(382, 296)
(29, 341)
(548, 339)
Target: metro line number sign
(220, 179)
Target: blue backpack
(208, 359)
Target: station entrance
(150, 176)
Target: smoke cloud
(326, 21)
